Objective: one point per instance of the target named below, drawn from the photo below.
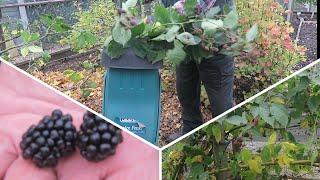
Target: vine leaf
(35, 49)
(314, 157)
(231, 20)
(24, 51)
(177, 54)
(162, 14)
(188, 39)
(120, 34)
(237, 120)
(212, 12)
(216, 132)
(189, 7)
(169, 36)
(280, 113)
(263, 110)
(211, 24)
(255, 164)
(273, 138)
(114, 49)
(129, 4)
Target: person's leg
(217, 75)
(188, 90)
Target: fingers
(7, 153)
(22, 169)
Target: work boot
(174, 136)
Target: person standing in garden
(216, 74)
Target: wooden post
(23, 15)
(2, 45)
(289, 8)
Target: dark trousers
(217, 76)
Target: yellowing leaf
(197, 159)
(277, 100)
(289, 146)
(284, 160)
(272, 138)
(24, 51)
(255, 164)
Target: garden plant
(220, 150)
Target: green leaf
(313, 157)
(231, 20)
(85, 92)
(161, 14)
(255, 165)
(87, 64)
(85, 39)
(129, 4)
(170, 35)
(196, 170)
(59, 25)
(177, 54)
(139, 49)
(120, 34)
(76, 77)
(216, 132)
(114, 49)
(212, 12)
(92, 84)
(263, 110)
(266, 154)
(189, 7)
(24, 51)
(138, 30)
(188, 39)
(280, 113)
(211, 24)
(313, 103)
(245, 155)
(236, 120)
(252, 33)
(273, 138)
(175, 17)
(35, 49)
(219, 37)
(68, 72)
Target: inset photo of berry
(44, 135)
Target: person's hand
(24, 102)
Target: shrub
(93, 26)
(276, 53)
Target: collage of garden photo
(159, 89)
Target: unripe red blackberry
(97, 138)
(53, 137)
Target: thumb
(7, 153)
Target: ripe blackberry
(53, 137)
(97, 138)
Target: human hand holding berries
(24, 102)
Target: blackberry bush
(97, 138)
(53, 137)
